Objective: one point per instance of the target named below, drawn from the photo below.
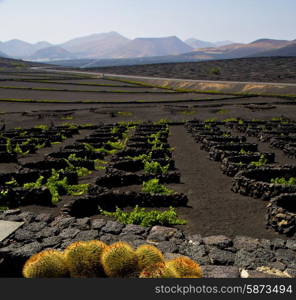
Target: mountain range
(112, 48)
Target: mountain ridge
(112, 47)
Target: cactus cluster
(96, 259)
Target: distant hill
(51, 54)
(196, 44)
(111, 48)
(20, 49)
(16, 48)
(41, 45)
(256, 47)
(237, 50)
(3, 55)
(144, 47)
(223, 43)
(96, 45)
(289, 50)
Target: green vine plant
(244, 152)
(140, 216)
(57, 186)
(154, 167)
(284, 181)
(80, 171)
(262, 162)
(89, 147)
(12, 182)
(42, 127)
(153, 187)
(17, 149)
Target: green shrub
(154, 167)
(8, 145)
(215, 71)
(125, 113)
(244, 152)
(58, 186)
(223, 112)
(262, 161)
(153, 187)
(12, 182)
(91, 148)
(19, 150)
(290, 181)
(139, 216)
(42, 127)
(228, 120)
(115, 145)
(35, 185)
(161, 122)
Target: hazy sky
(213, 20)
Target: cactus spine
(185, 267)
(158, 270)
(84, 259)
(46, 264)
(120, 260)
(148, 255)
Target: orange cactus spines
(158, 270)
(185, 267)
(148, 255)
(46, 264)
(84, 259)
(120, 260)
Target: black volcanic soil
(214, 208)
(266, 69)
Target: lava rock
(278, 244)
(44, 218)
(134, 229)
(220, 241)
(88, 235)
(129, 237)
(286, 256)
(168, 246)
(221, 257)
(63, 223)
(82, 224)
(244, 259)
(220, 272)
(277, 265)
(247, 243)
(112, 227)
(27, 216)
(47, 232)
(69, 233)
(36, 226)
(109, 238)
(160, 233)
(195, 252)
(195, 239)
(24, 235)
(52, 242)
(98, 223)
(291, 244)
(28, 250)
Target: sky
(58, 21)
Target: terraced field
(218, 171)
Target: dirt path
(215, 209)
